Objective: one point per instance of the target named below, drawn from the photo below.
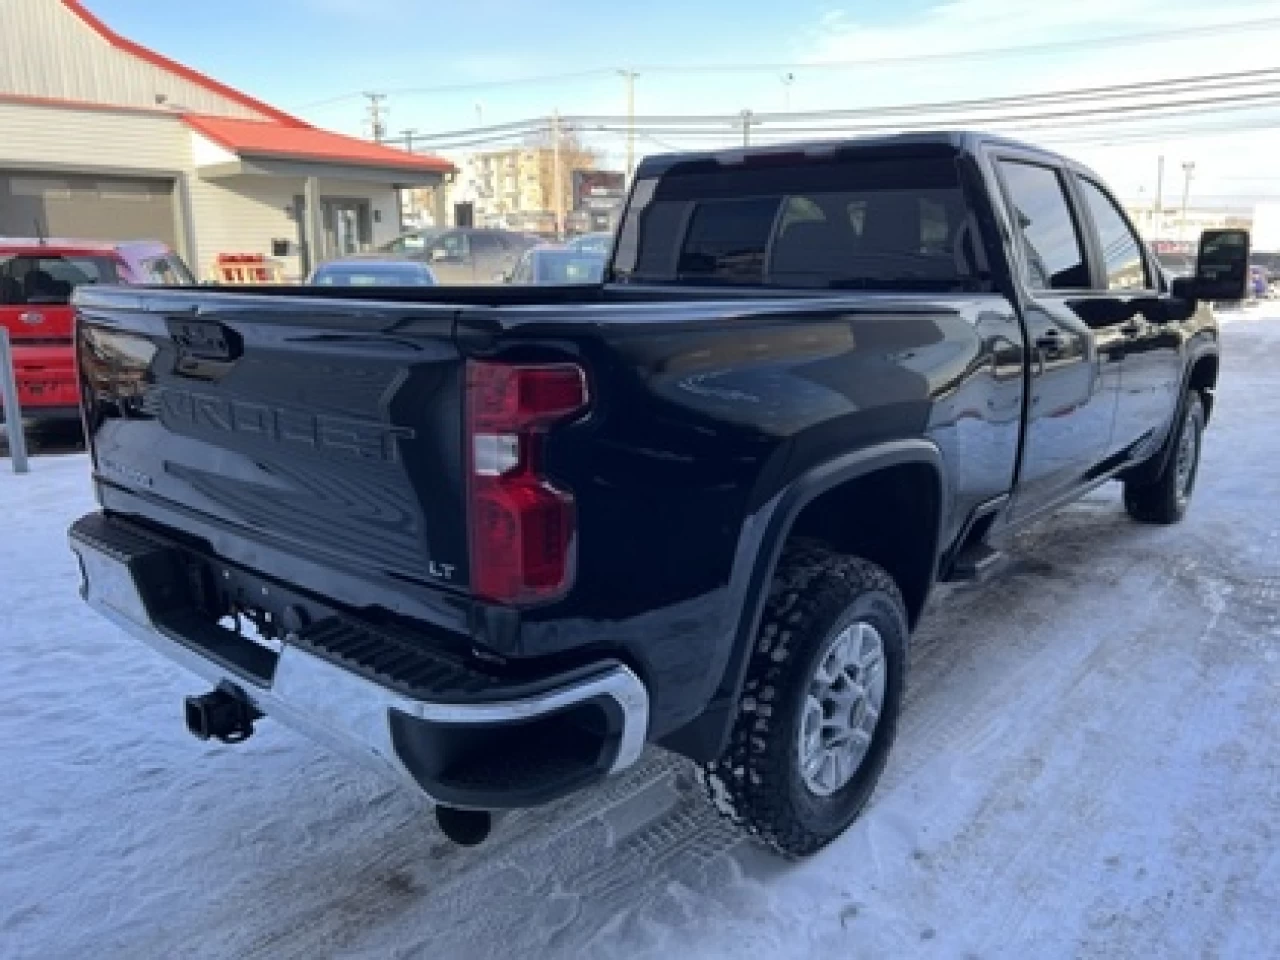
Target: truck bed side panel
(703, 413)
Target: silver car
(463, 254)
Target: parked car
(551, 265)
(464, 255)
(495, 541)
(372, 272)
(600, 243)
(37, 278)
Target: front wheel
(1165, 499)
(820, 705)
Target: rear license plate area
(246, 605)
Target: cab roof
(942, 142)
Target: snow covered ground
(1089, 766)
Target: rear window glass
(50, 279)
(873, 223)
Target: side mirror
(1222, 268)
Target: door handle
(1049, 340)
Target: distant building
(515, 187)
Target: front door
(347, 229)
(1073, 385)
(1152, 344)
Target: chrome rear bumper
(368, 721)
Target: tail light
(521, 525)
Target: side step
(975, 563)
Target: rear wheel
(1165, 498)
(820, 705)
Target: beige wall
(32, 135)
(244, 214)
(241, 215)
(47, 51)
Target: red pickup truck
(37, 278)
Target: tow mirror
(1222, 268)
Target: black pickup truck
(497, 540)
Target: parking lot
(1089, 765)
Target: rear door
(1074, 379)
(1149, 338)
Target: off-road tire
(757, 782)
(1162, 499)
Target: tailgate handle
(205, 340)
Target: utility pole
(377, 115)
(630, 77)
(1157, 211)
(408, 135)
(1188, 168)
(787, 80)
(557, 178)
(746, 127)
(479, 114)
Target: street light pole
(1188, 168)
(630, 77)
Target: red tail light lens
(521, 525)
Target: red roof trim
(246, 138)
(172, 66)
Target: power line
(1086, 117)
(1172, 88)
(464, 87)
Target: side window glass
(1121, 250)
(1050, 243)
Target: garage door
(86, 207)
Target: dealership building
(101, 138)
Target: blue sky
(313, 57)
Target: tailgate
(326, 431)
